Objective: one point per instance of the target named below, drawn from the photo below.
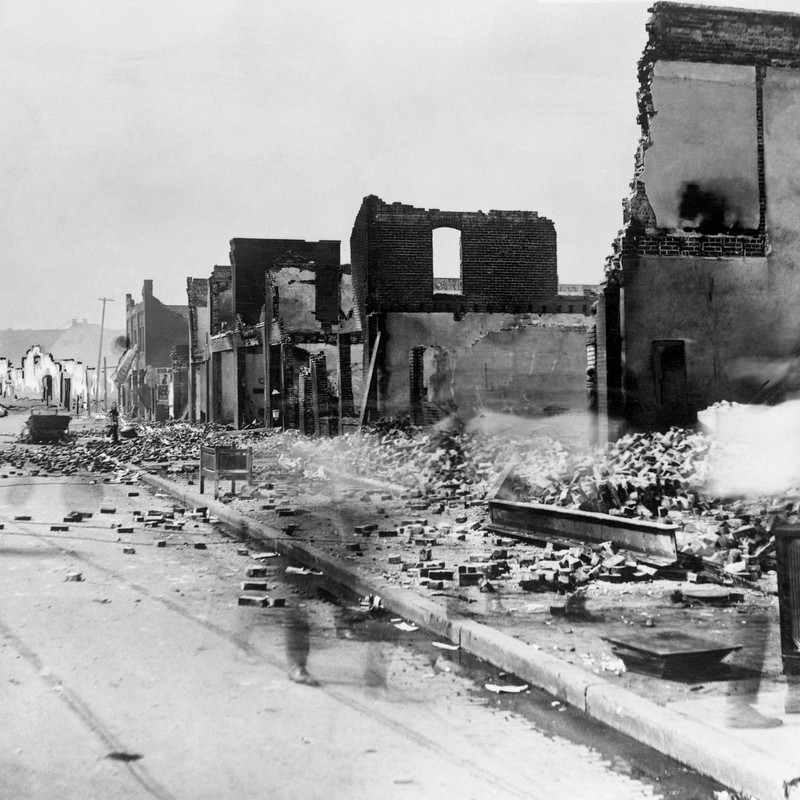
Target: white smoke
(756, 449)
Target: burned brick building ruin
(496, 337)
(152, 373)
(271, 337)
(701, 295)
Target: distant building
(488, 332)
(145, 371)
(257, 326)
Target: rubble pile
(663, 477)
(643, 475)
(165, 444)
(654, 476)
(565, 569)
(437, 465)
(63, 459)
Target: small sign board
(225, 463)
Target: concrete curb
(709, 750)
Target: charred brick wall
(219, 290)
(686, 32)
(508, 259)
(718, 98)
(251, 259)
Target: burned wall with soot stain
(702, 288)
(701, 170)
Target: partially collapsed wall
(700, 295)
(508, 259)
(488, 339)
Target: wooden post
(267, 367)
(369, 380)
(105, 384)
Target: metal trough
(652, 542)
(43, 426)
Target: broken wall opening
(446, 245)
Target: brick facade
(155, 328)
(508, 259)
(219, 288)
(197, 296)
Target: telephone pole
(103, 300)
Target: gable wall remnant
(508, 259)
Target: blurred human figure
(740, 710)
(298, 645)
(113, 425)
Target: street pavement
(732, 726)
(146, 679)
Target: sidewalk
(734, 729)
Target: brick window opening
(447, 261)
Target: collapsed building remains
(700, 297)
(296, 297)
(151, 374)
(494, 336)
(64, 382)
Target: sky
(139, 137)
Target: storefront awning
(125, 363)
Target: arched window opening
(447, 261)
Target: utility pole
(103, 300)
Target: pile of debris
(62, 459)
(643, 475)
(661, 477)
(440, 464)
(566, 569)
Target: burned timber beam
(652, 542)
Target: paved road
(146, 679)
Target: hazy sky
(140, 136)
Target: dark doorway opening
(669, 369)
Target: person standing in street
(113, 416)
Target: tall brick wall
(508, 259)
(657, 302)
(252, 258)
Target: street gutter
(706, 749)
